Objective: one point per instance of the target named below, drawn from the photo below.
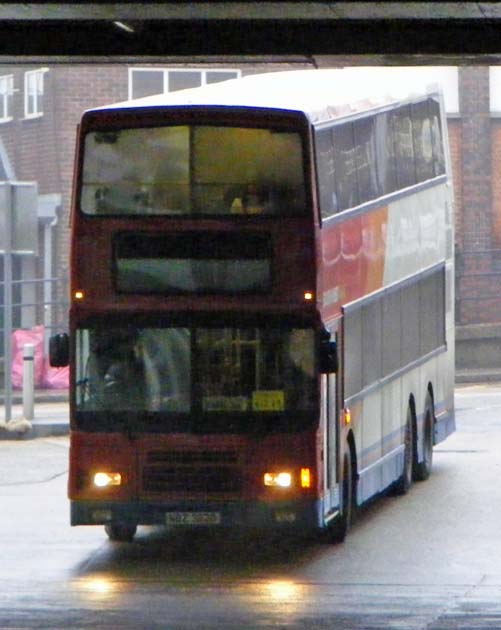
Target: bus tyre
(337, 531)
(423, 468)
(405, 480)
(120, 533)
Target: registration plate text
(192, 518)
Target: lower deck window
(195, 370)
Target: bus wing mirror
(328, 357)
(59, 350)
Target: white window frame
(6, 80)
(39, 82)
(166, 71)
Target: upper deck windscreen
(193, 170)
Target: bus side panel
(353, 259)
(383, 429)
(371, 445)
(416, 237)
(392, 432)
(444, 395)
(443, 391)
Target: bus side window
(345, 166)
(386, 164)
(423, 142)
(437, 140)
(325, 172)
(365, 157)
(404, 147)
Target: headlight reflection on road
(283, 590)
(98, 587)
(281, 599)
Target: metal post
(7, 268)
(28, 381)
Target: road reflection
(99, 588)
(186, 577)
(201, 557)
(281, 591)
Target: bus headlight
(285, 479)
(105, 479)
(278, 479)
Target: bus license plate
(192, 518)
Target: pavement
(51, 416)
(478, 375)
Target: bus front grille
(192, 472)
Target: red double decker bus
(261, 329)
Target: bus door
(331, 438)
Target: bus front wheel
(120, 533)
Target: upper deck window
(378, 154)
(193, 170)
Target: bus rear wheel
(423, 468)
(338, 530)
(120, 533)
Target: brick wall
(454, 129)
(476, 165)
(478, 199)
(496, 181)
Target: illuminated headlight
(105, 479)
(278, 479)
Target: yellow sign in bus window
(268, 400)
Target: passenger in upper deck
(249, 199)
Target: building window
(6, 92)
(34, 93)
(150, 81)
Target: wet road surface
(430, 559)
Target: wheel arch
(411, 404)
(431, 394)
(350, 440)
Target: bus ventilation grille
(192, 472)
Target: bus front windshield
(193, 170)
(195, 372)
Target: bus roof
(321, 95)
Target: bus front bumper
(304, 514)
